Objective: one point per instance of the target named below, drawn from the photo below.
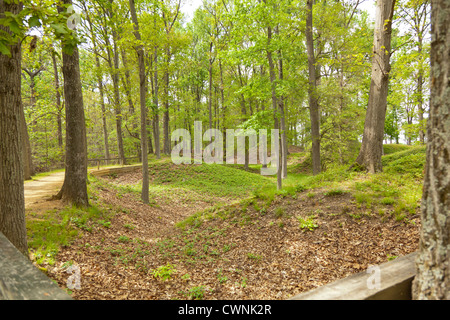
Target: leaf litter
(232, 253)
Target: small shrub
(387, 201)
(334, 192)
(279, 212)
(164, 272)
(197, 293)
(307, 223)
(123, 239)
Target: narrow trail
(39, 190)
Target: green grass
(393, 148)
(408, 162)
(48, 232)
(216, 180)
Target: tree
(312, 90)
(74, 189)
(12, 203)
(371, 150)
(415, 14)
(143, 95)
(433, 269)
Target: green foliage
(307, 223)
(219, 180)
(410, 162)
(48, 232)
(164, 272)
(197, 293)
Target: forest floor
(220, 232)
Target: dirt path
(38, 191)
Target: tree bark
(371, 150)
(99, 76)
(156, 131)
(117, 108)
(143, 94)
(58, 100)
(26, 148)
(166, 117)
(284, 147)
(433, 268)
(274, 102)
(74, 189)
(127, 85)
(312, 91)
(12, 203)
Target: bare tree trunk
(100, 87)
(58, 100)
(312, 91)
(210, 72)
(433, 269)
(284, 148)
(156, 131)
(420, 94)
(166, 117)
(117, 108)
(103, 107)
(26, 148)
(127, 85)
(371, 150)
(12, 203)
(274, 102)
(74, 189)
(143, 94)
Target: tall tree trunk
(28, 161)
(74, 189)
(99, 76)
(166, 118)
(274, 102)
(222, 99)
(12, 203)
(156, 131)
(58, 100)
(371, 150)
(103, 108)
(312, 91)
(284, 148)
(117, 108)
(143, 94)
(26, 148)
(210, 72)
(127, 85)
(420, 93)
(433, 269)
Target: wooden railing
(111, 161)
(394, 283)
(21, 280)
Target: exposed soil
(253, 253)
(37, 191)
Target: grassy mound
(218, 180)
(410, 161)
(393, 148)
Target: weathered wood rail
(395, 280)
(111, 161)
(115, 170)
(21, 280)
